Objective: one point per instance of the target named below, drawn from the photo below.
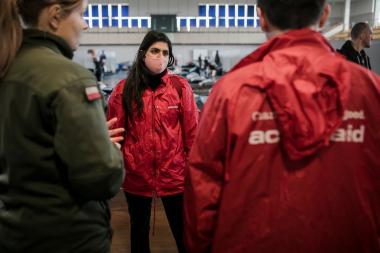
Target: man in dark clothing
(102, 63)
(361, 35)
(97, 65)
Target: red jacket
(156, 148)
(287, 156)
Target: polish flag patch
(92, 93)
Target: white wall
(377, 13)
(361, 11)
(234, 37)
(337, 10)
(229, 54)
(361, 7)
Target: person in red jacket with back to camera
(286, 158)
(160, 117)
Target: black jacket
(352, 55)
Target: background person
(103, 63)
(353, 50)
(97, 65)
(58, 165)
(160, 116)
(287, 159)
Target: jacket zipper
(154, 170)
(153, 146)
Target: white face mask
(156, 65)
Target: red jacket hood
(307, 92)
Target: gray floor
(112, 79)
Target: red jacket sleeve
(115, 105)
(204, 177)
(189, 116)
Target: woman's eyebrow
(160, 49)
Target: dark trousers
(139, 208)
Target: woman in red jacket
(160, 116)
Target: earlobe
(325, 15)
(263, 20)
(54, 23)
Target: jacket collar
(55, 43)
(285, 40)
(163, 85)
(165, 77)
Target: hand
(114, 132)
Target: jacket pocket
(170, 115)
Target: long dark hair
(10, 25)
(136, 82)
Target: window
(222, 15)
(107, 15)
(211, 11)
(183, 22)
(124, 11)
(125, 23)
(222, 22)
(231, 22)
(209, 15)
(115, 11)
(106, 22)
(135, 22)
(104, 11)
(229, 15)
(202, 10)
(222, 11)
(212, 22)
(231, 11)
(95, 11)
(251, 10)
(144, 23)
(241, 11)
